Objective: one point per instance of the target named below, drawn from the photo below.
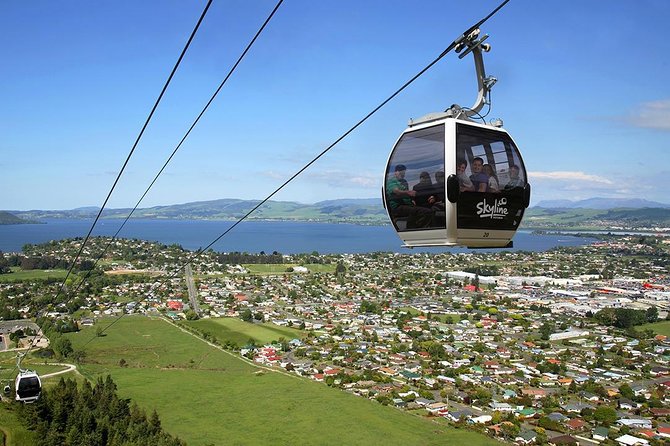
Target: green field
(239, 332)
(18, 275)
(207, 396)
(10, 424)
(268, 268)
(662, 328)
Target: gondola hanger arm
(472, 43)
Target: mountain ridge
(601, 203)
(371, 211)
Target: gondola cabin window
(492, 178)
(415, 180)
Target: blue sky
(581, 88)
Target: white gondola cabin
(28, 386)
(452, 181)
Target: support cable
(132, 150)
(195, 122)
(197, 253)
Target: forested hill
(10, 219)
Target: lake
(254, 236)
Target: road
(192, 294)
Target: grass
(662, 328)
(204, 395)
(269, 268)
(18, 275)
(10, 426)
(239, 332)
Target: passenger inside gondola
(463, 180)
(401, 201)
(514, 180)
(493, 185)
(424, 190)
(479, 179)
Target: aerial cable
(199, 252)
(132, 150)
(195, 122)
(137, 140)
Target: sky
(581, 89)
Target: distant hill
(10, 219)
(362, 211)
(602, 203)
(569, 215)
(602, 219)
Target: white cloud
(652, 115)
(573, 176)
(340, 178)
(274, 175)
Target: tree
(545, 331)
(247, 316)
(340, 269)
(626, 391)
(605, 415)
(652, 314)
(509, 430)
(62, 347)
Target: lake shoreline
(287, 237)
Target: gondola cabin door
(454, 182)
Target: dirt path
(70, 368)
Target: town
(554, 347)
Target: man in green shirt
(400, 201)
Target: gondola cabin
(455, 182)
(28, 386)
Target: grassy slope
(18, 275)
(662, 328)
(10, 424)
(205, 396)
(238, 331)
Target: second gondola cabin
(455, 182)
(28, 386)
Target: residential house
(525, 437)
(576, 424)
(563, 440)
(600, 433)
(630, 440)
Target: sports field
(18, 275)
(209, 397)
(240, 332)
(267, 268)
(662, 328)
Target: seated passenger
(463, 180)
(436, 199)
(479, 179)
(424, 189)
(401, 203)
(514, 180)
(493, 185)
